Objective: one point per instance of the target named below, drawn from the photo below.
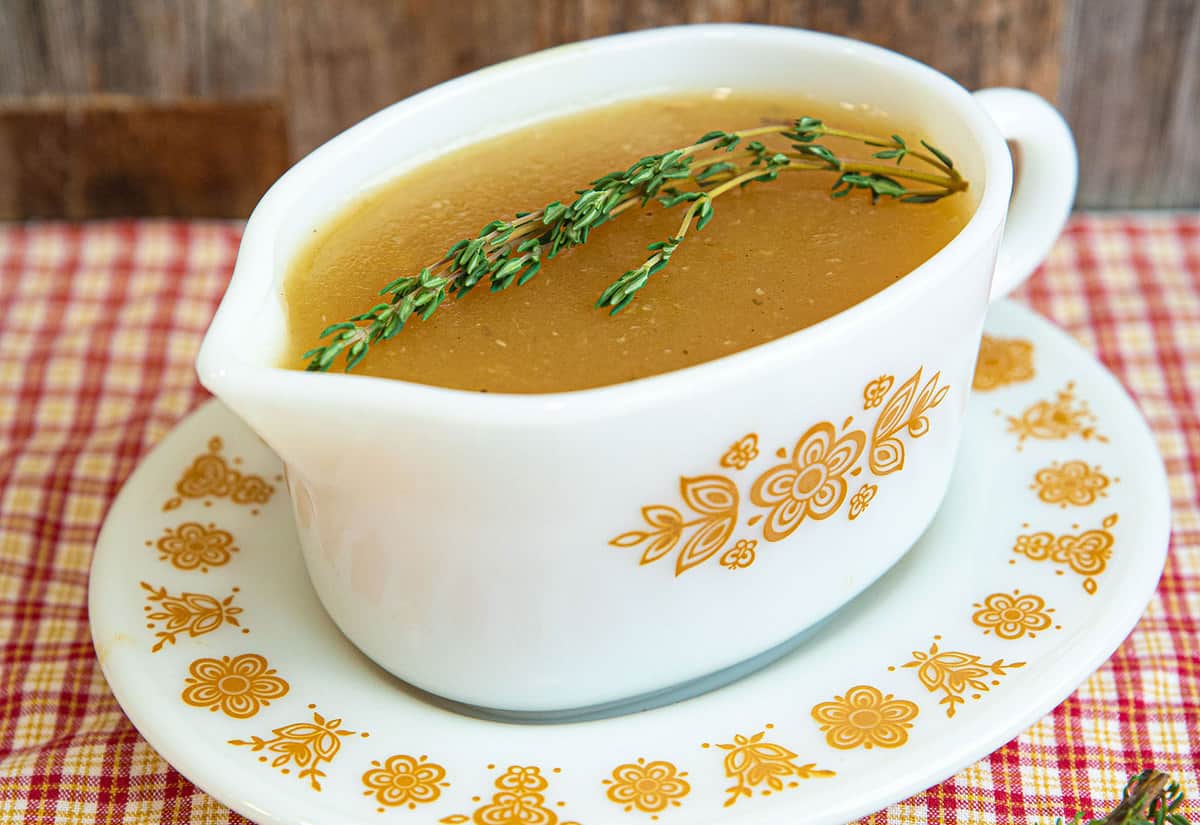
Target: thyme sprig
(1150, 798)
(507, 252)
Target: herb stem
(511, 252)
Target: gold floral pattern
(1055, 420)
(519, 799)
(713, 500)
(751, 762)
(905, 411)
(306, 745)
(192, 613)
(957, 674)
(210, 476)
(192, 546)
(860, 500)
(810, 485)
(865, 717)
(238, 686)
(740, 454)
(649, 787)
(1013, 616)
(1074, 483)
(876, 391)
(404, 780)
(740, 555)
(1003, 361)
(1086, 553)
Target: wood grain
(108, 156)
(347, 61)
(1127, 74)
(1131, 91)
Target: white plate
(932, 640)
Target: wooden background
(192, 107)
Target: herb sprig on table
(693, 177)
(1150, 798)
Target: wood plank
(346, 61)
(1131, 91)
(157, 49)
(108, 156)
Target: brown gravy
(777, 257)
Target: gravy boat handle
(1043, 184)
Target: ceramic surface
(440, 527)
(1048, 546)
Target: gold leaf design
(906, 411)
(306, 745)
(752, 761)
(1086, 553)
(957, 674)
(238, 686)
(865, 717)
(713, 499)
(1074, 483)
(210, 476)
(404, 780)
(812, 483)
(741, 453)
(519, 800)
(192, 546)
(1055, 420)
(1013, 616)
(1003, 361)
(649, 787)
(192, 613)
(860, 500)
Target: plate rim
(1124, 614)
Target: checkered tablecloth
(99, 324)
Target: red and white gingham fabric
(98, 328)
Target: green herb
(511, 252)
(1150, 798)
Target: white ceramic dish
(440, 527)
(1078, 599)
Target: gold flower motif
(1055, 420)
(740, 555)
(1086, 554)
(1013, 617)
(740, 454)
(1073, 483)
(1002, 362)
(210, 475)
(192, 545)
(865, 717)
(1036, 546)
(812, 483)
(876, 391)
(252, 490)
(404, 780)
(193, 613)
(519, 800)
(860, 500)
(648, 787)
(752, 762)
(238, 687)
(955, 673)
(303, 744)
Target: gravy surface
(776, 257)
